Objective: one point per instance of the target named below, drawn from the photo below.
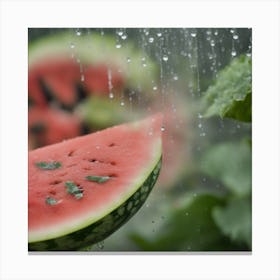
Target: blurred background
(81, 80)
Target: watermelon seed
(113, 163)
(55, 182)
(112, 145)
(51, 201)
(70, 154)
(92, 160)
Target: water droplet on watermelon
(122, 103)
(162, 128)
(111, 95)
(72, 45)
(128, 60)
(82, 78)
(118, 46)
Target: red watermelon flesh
(126, 154)
(62, 75)
(48, 126)
(96, 79)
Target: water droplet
(72, 45)
(79, 33)
(120, 33)
(150, 133)
(165, 58)
(82, 78)
(97, 147)
(249, 54)
(235, 37)
(231, 31)
(233, 53)
(187, 213)
(216, 33)
(193, 34)
(212, 43)
(202, 134)
(118, 46)
(122, 103)
(175, 78)
(200, 116)
(128, 59)
(144, 64)
(200, 125)
(159, 34)
(162, 128)
(124, 36)
(154, 87)
(111, 95)
(100, 245)
(151, 40)
(194, 195)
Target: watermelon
(82, 190)
(50, 125)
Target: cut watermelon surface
(82, 190)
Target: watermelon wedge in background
(63, 65)
(81, 190)
(50, 125)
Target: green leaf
(231, 163)
(48, 165)
(231, 94)
(189, 228)
(51, 201)
(235, 220)
(73, 189)
(98, 179)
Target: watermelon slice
(82, 190)
(50, 125)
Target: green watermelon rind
(102, 228)
(95, 49)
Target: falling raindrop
(154, 87)
(212, 43)
(175, 78)
(82, 77)
(78, 32)
(235, 37)
(118, 46)
(151, 40)
(233, 53)
(193, 34)
(162, 128)
(165, 57)
(122, 103)
(72, 45)
(111, 95)
(128, 59)
(124, 36)
(159, 34)
(120, 32)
